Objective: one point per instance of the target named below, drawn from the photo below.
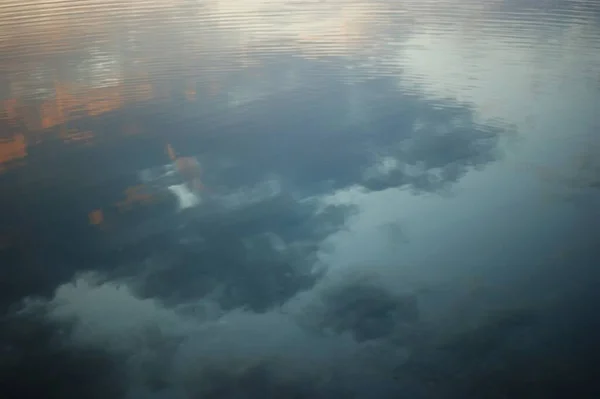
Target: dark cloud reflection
(330, 135)
(313, 151)
(322, 136)
(254, 240)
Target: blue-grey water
(299, 199)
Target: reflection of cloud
(423, 144)
(502, 77)
(199, 350)
(314, 145)
(191, 349)
(185, 197)
(90, 301)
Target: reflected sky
(243, 150)
(324, 96)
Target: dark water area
(299, 199)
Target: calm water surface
(244, 198)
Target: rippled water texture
(207, 198)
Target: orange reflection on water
(70, 101)
(68, 60)
(190, 170)
(135, 195)
(12, 149)
(96, 217)
(67, 102)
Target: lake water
(240, 198)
